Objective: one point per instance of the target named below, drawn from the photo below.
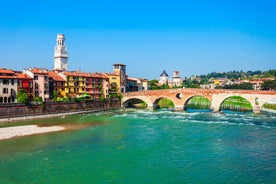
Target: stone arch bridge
(182, 95)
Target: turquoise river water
(140, 146)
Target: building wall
(8, 90)
(40, 83)
(114, 79)
(163, 80)
(27, 85)
(105, 88)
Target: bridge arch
(236, 103)
(134, 102)
(180, 96)
(157, 100)
(269, 103)
(200, 101)
(142, 98)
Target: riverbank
(18, 131)
(268, 110)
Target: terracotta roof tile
(39, 71)
(6, 71)
(55, 76)
(23, 76)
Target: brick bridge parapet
(181, 96)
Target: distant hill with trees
(233, 76)
(240, 74)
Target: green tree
(246, 86)
(22, 96)
(165, 86)
(153, 84)
(269, 85)
(189, 83)
(56, 95)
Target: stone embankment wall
(20, 110)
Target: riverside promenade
(50, 115)
(19, 111)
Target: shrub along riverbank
(270, 106)
(198, 102)
(165, 103)
(236, 103)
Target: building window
(36, 86)
(35, 77)
(6, 81)
(13, 92)
(12, 82)
(5, 90)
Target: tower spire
(60, 54)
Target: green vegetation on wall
(165, 103)
(270, 106)
(198, 102)
(141, 105)
(236, 103)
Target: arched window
(257, 101)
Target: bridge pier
(150, 106)
(256, 109)
(215, 109)
(215, 105)
(178, 108)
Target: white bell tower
(60, 54)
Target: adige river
(141, 146)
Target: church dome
(164, 74)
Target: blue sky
(193, 37)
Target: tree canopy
(269, 85)
(22, 96)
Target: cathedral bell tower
(60, 54)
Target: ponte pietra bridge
(181, 96)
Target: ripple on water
(149, 147)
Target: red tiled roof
(39, 71)
(111, 74)
(6, 71)
(85, 74)
(8, 77)
(23, 76)
(55, 76)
